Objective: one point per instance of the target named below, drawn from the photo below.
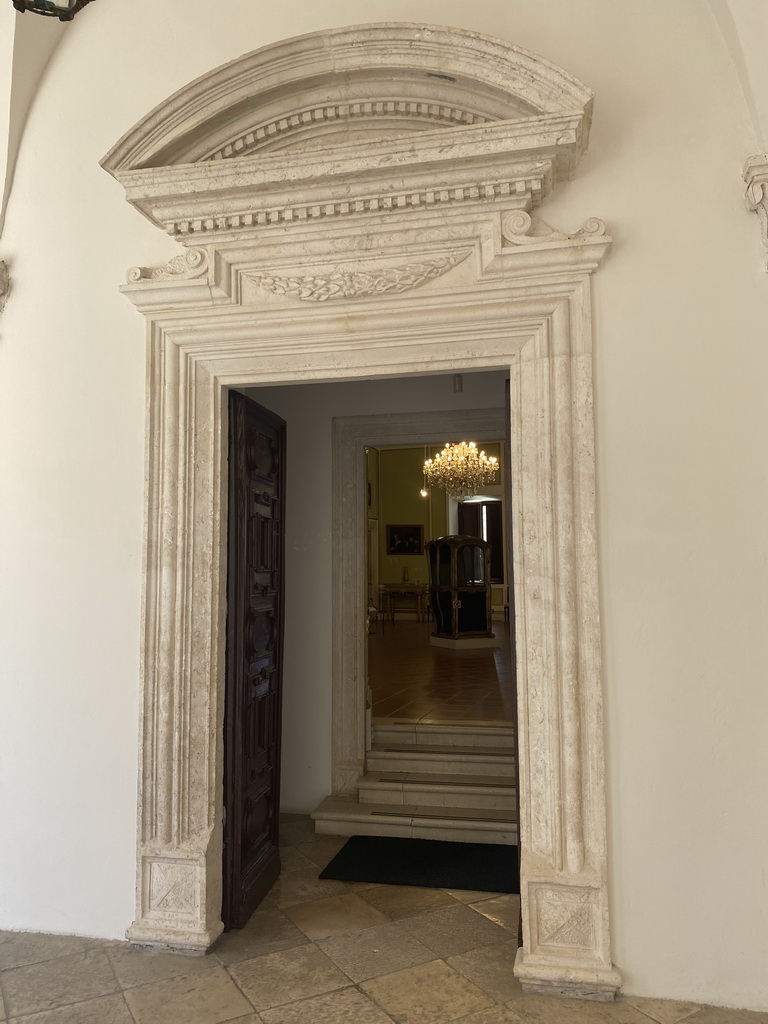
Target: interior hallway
(316, 952)
(412, 681)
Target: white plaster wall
(309, 411)
(682, 360)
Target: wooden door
(254, 657)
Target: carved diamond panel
(564, 919)
(172, 887)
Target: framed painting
(405, 540)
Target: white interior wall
(681, 307)
(309, 411)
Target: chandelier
(460, 469)
(64, 10)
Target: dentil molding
(756, 178)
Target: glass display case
(460, 588)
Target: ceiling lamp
(64, 10)
(461, 470)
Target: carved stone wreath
(358, 283)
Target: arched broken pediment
(339, 117)
(349, 84)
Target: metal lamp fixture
(461, 469)
(64, 10)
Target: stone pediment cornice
(363, 121)
(310, 77)
(440, 168)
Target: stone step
(346, 816)
(434, 760)
(388, 732)
(420, 788)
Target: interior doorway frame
(414, 253)
(351, 434)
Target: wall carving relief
(5, 284)
(358, 283)
(756, 178)
(377, 218)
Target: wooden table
(391, 593)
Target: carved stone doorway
(405, 244)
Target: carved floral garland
(357, 283)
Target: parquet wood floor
(412, 681)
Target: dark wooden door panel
(254, 657)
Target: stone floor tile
(322, 849)
(502, 910)
(268, 931)
(662, 1011)
(210, 997)
(431, 993)
(134, 967)
(398, 901)
(493, 1015)
(335, 916)
(454, 930)
(54, 983)
(716, 1015)
(292, 859)
(380, 950)
(491, 968)
(105, 1010)
(347, 1006)
(250, 1018)
(471, 895)
(303, 886)
(295, 832)
(550, 1010)
(285, 977)
(17, 949)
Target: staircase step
(421, 788)
(346, 816)
(387, 731)
(487, 761)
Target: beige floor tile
(134, 967)
(398, 901)
(295, 832)
(716, 1015)
(549, 1010)
(54, 983)
(294, 887)
(431, 993)
(292, 859)
(454, 930)
(347, 1006)
(493, 1015)
(335, 916)
(105, 1010)
(268, 931)
(210, 997)
(502, 910)
(17, 949)
(322, 849)
(375, 951)
(285, 977)
(491, 968)
(662, 1011)
(471, 895)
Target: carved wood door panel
(254, 657)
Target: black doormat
(428, 863)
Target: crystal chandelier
(461, 470)
(64, 10)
